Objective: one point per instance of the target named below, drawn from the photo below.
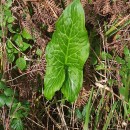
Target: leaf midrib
(69, 38)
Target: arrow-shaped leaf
(66, 54)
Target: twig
(61, 114)
(22, 75)
(35, 123)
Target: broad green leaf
(16, 124)
(72, 84)
(105, 55)
(10, 28)
(25, 46)
(10, 19)
(10, 48)
(26, 34)
(9, 44)
(122, 91)
(15, 51)
(100, 67)
(9, 101)
(18, 40)
(8, 92)
(39, 52)
(21, 63)
(8, 13)
(53, 81)
(8, 3)
(120, 60)
(9, 51)
(66, 54)
(2, 85)
(20, 113)
(2, 100)
(15, 106)
(19, 110)
(11, 57)
(126, 51)
(128, 64)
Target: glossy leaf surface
(21, 63)
(66, 54)
(26, 34)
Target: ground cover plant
(64, 64)
(67, 53)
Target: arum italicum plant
(66, 54)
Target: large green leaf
(9, 101)
(2, 100)
(16, 124)
(9, 92)
(66, 54)
(26, 34)
(25, 46)
(21, 63)
(73, 83)
(2, 85)
(18, 40)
